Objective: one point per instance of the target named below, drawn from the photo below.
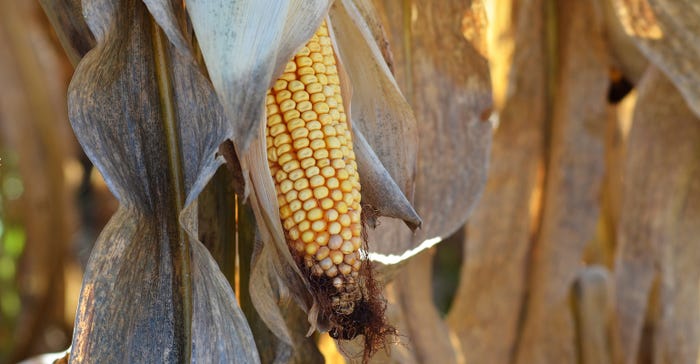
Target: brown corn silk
(311, 159)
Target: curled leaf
(151, 123)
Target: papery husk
(245, 44)
(133, 301)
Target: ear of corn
(310, 155)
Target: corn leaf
(667, 32)
(67, 20)
(245, 44)
(150, 122)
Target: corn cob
(310, 155)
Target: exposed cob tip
(311, 159)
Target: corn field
(350, 181)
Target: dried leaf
(132, 306)
(447, 80)
(67, 20)
(574, 177)
(667, 32)
(485, 313)
(659, 225)
(592, 303)
(245, 44)
(166, 16)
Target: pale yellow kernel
(341, 172)
(296, 174)
(317, 180)
(283, 159)
(326, 263)
(335, 114)
(322, 79)
(309, 204)
(320, 153)
(280, 176)
(305, 71)
(294, 124)
(301, 143)
(314, 46)
(355, 216)
(332, 69)
(336, 256)
(301, 184)
(344, 269)
(308, 238)
(300, 96)
(286, 185)
(303, 61)
(328, 172)
(332, 142)
(285, 212)
(305, 153)
(317, 144)
(315, 134)
(321, 108)
(317, 58)
(309, 115)
(291, 195)
(288, 223)
(318, 97)
(304, 225)
(280, 200)
(318, 225)
(291, 114)
(273, 120)
(286, 95)
(327, 90)
(269, 99)
(349, 199)
(335, 242)
(315, 214)
(287, 105)
(308, 80)
(295, 205)
(356, 267)
(334, 228)
(293, 233)
(316, 269)
(300, 133)
(288, 76)
(321, 192)
(356, 242)
(346, 234)
(336, 154)
(356, 196)
(280, 85)
(303, 52)
(327, 203)
(291, 66)
(326, 50)
(346, 187)
(295, 86)
(341, 206)
(313, 174)
(319, 67)
(332, 183)
(282, 139)
(315, 88)
(322, 238)
(303, 106)
(299, 216)
(356, 229)
(331, 215)
(323, 163)
(284, 148)
(344, 220)
(338, 283)
(305, 194)
(308, 162)
(337, 195)
(332, 102)
(322, 253)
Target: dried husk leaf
(131, 305)
(383, 123)
(667, 32)
(67, 20)
(165, 12)
(450, 93)
(658, 230)
(245, 44)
